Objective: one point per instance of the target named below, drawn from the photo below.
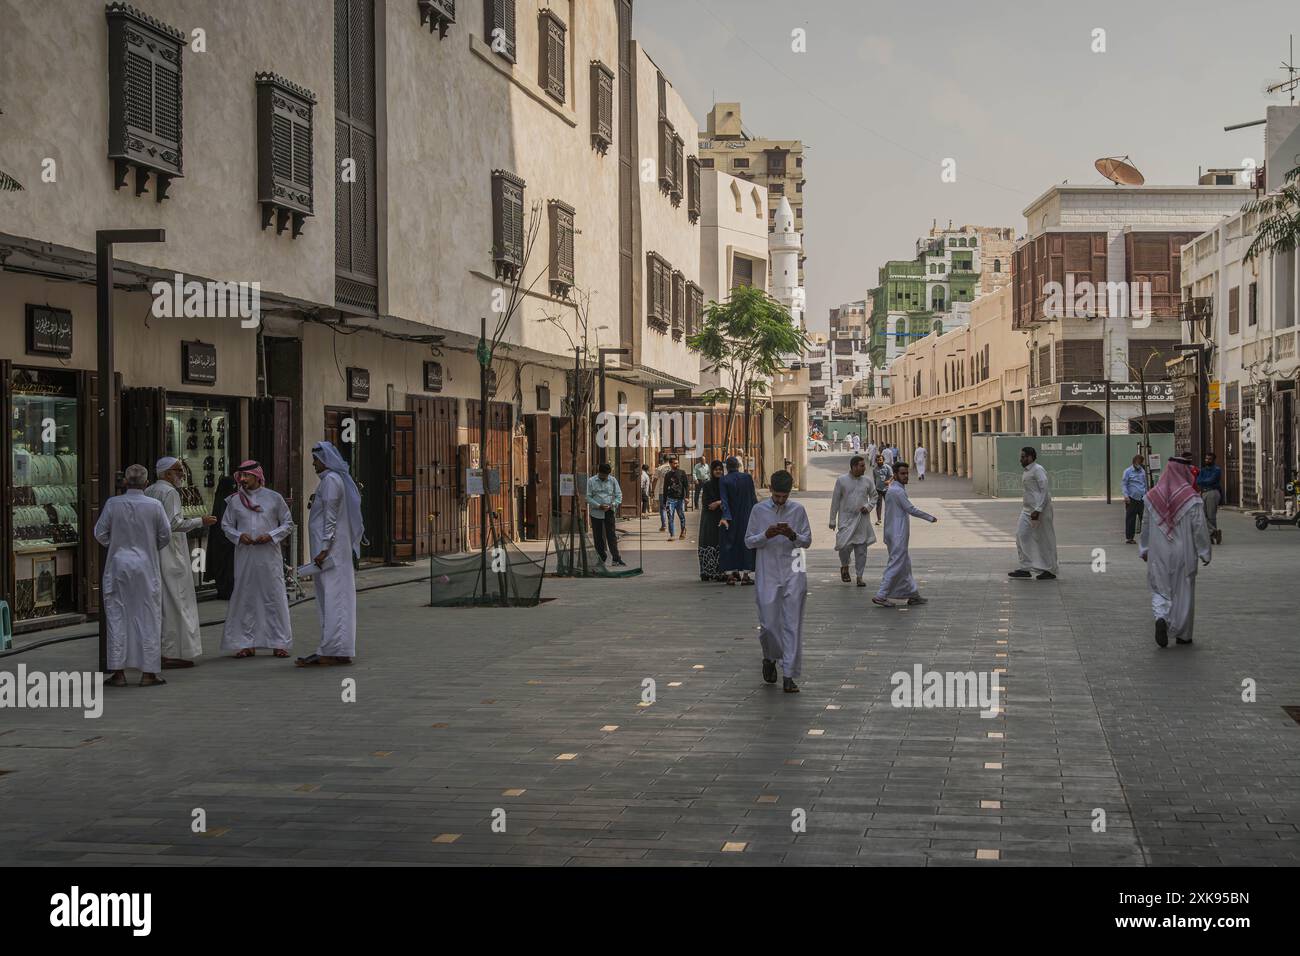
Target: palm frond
(8, 184)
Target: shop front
(47, 520)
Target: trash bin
(6, 627)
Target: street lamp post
(105, 239)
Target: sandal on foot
(117, 680)
(280, 652)
(154, 682)
(246, 652)
(175, 663)
(311, 660)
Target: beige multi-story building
(948, 387)
(378, 174)
(777, 164)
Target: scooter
(1290, 516)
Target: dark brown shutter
(146, 102)
(1234, 310)
(537, 495)
(143, 412)
(507, 223)
(356, 244)
(500, 15)
(270, 441)
(401, 486)
(693, 189)
(679, 304)
(602, 106)
(6, 491)
(551, 54)
(561, 229)
(284, 151)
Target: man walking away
(920, 458)
(1171, 548)
(334, 517)
(657, 488)
(700, 473)
(898, 581)
(882, 475)
(675, 489)
(1036, 533)
(851, 503)
(181, 642)
(738, 500)
(1209, 482)
(134, 528)
(776, 528)
(646, 482)
(603, 499)
(1134, 485)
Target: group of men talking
(149, 600)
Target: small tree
(745, 340)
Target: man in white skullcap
(180, 609)
(134, 528)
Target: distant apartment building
(948, 387)
(1097, 285)
(819, 375)
(1245, 312)
(933, 291)
(776, 164)
(847, 360)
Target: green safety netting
(575, 554)
(506, 576)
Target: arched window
(1046, 427)
(997, 265)
(936, 298)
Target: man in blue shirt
(603, 498)
(1134, 484)
(1209, 482)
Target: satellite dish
(1120, 171)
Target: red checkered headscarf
(249, 467)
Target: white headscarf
(329, 456)
(165, 464)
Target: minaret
(784, 245)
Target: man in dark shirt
(1209, 482)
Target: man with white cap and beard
(181, 642)
(335, 528)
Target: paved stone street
(538, 712)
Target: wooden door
(400, 545)
(270, 442)
(144, 410)
(437, 510)
(496, 450)
(537, 493)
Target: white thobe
(919, 458)
(889, 456)
(1036, 540)
(1172, 565)
(180, 614)
(134, 528)
(851, 525)
(259, 607)
(780, 581)
(871, 456)
(897, 581)
(329, 525)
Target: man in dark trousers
(1134, 484)
(603, 499)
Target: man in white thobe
(256, 521)
(1174, 536)
(891, 455)
(134, 528)
(870, 454)
(778, 532)
(920, 458)
(851, 503)
(181, 642)
(897, 582)
(335, 528)
(1036, 533)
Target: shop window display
(44, 436)
(198, 433)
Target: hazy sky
(1011, 90)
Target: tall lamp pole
(107, 432)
